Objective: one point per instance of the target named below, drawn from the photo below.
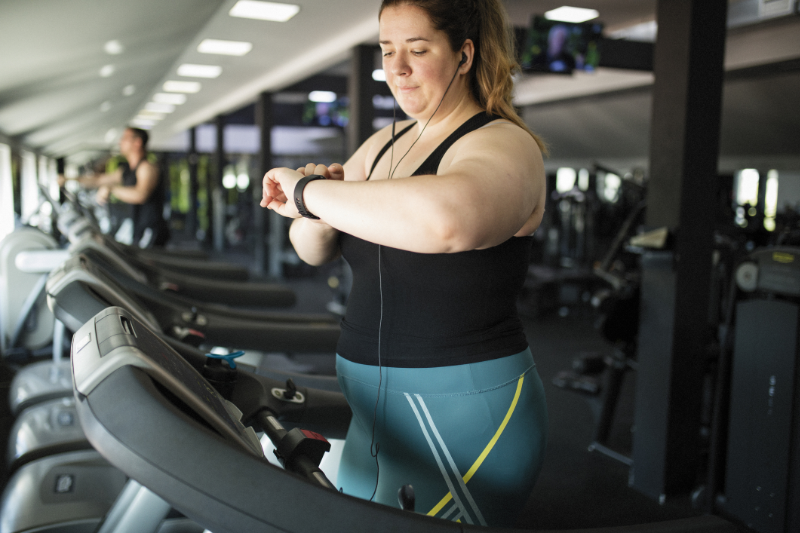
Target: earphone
(373, 444)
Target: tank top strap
(387, 146)
(431, 165)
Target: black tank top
(438, 309)
(148, 214)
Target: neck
(134, 159)
(451, 114)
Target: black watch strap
(298, 195)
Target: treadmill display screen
(116, 330)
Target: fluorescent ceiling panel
(169, 98)
(322, 96)
(226, 48)
(150, 115)
(155, 107)
(571, 14)
(251, 9)
(181, 86)
(189, 70)
(143, 123)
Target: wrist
(299, 200)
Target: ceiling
(53, 98)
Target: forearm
(129, 195)
(315, 243)
(94, 181)
(423, 214)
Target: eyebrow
(409, 40)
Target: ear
(467, 56)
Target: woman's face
(417, 59)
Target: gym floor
(576, 488)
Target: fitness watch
(298, 195)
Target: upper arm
(146, 181)
(499, 184)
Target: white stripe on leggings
(438, 459)
(452, 463)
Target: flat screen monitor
(560, 47)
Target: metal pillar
(265, 121)
(216, 198)
(192, 157)
(361, 89)
(674, 328)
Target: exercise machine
(222, 481)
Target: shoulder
(498, 141)
(147, 168)
(147, 171)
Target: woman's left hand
(278, 188)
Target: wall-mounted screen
(560, 47)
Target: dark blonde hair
(483, 22)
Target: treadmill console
(114, 339)
(773, 270)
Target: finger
(310, 169)
(302, 170)
(322, 170)
(336, 172)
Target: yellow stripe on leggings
(485, 452)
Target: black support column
(674, 328)
(265, 121)
(192, 159)
(360, 90)
(216, 198)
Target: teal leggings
(470, 438)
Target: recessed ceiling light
(107, 71)
(181, 86)
(105, 106)
(159, 108)
(378, 75)
(143, 123)
(169, 98)
(150, 115)
(251, 9)
(129, 90)
(226, 48)
(113, 47)
(322, 96)
(571, 14)
(199, 71)
(111, 135)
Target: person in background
(137, 183)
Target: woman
(432, 357)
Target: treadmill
(80, 287)
(152, 414)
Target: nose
(398, 64)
